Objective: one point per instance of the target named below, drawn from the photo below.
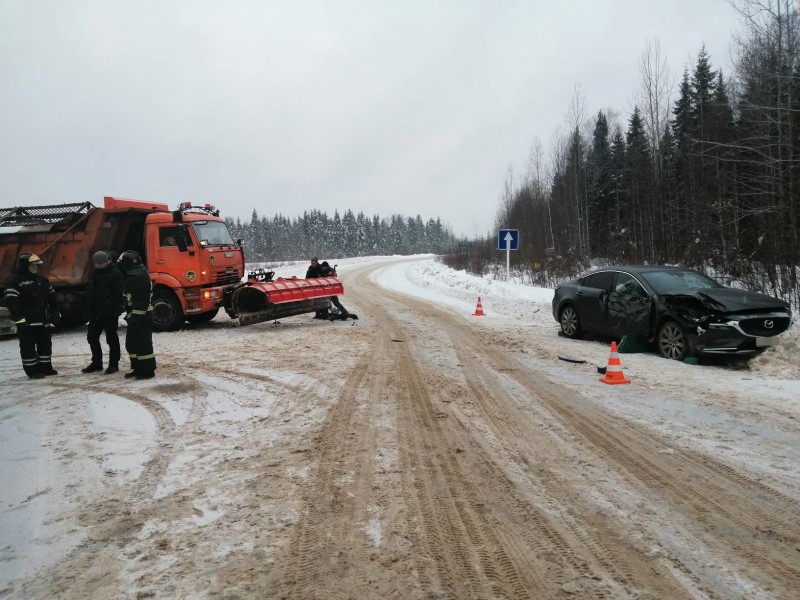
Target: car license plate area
(763, 342)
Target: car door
(629, 307)
(591, 300)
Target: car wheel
(570, 322)
(672, 341)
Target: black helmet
(26, 259)
(128, 259)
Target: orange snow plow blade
(256, 302)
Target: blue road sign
(508, 239)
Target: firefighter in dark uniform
(32, 302)
(104, 300)
(137, 293)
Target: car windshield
(675, 282)
(214, 232)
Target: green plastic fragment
(631, 345)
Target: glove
(56, 319)
(127, 317)
(21, 325)
(49, 326)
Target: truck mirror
(239, 242)
(181, 238)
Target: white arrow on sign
(508, 239)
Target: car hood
(732, 301)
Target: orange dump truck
(195, 265)
(189, 252)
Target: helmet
(100, 258)
(129, 259)
(28, 258)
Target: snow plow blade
(266, 301)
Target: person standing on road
(137, 294)
(32, 302)
(104, 298)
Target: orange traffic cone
(614, 372)
(479, 309)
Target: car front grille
(759, 326)
(226, 276)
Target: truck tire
(167, 310)
(202, 318)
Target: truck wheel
(167, 311)
(202, 318)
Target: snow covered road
(418, 452)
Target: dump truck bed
(65, 237)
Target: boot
(36, 375)
(111, 369)
(50, 371)
(130, 375)
(147, 375)
(92, 368)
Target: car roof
(640, 268)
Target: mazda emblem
(769, 324)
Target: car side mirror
(182, 238)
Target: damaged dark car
(681, 312)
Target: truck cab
(192, 259)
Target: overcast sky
(409, 107)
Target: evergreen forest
(280, 238)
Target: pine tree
(638, 209)
(617, 192)
(702, 93)
(599, 172)
(680, 185)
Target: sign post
(508, 240)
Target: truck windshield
(214, 232)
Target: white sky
(412, 107)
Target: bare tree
(577, 120)
(655, 99)
(506, 200)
